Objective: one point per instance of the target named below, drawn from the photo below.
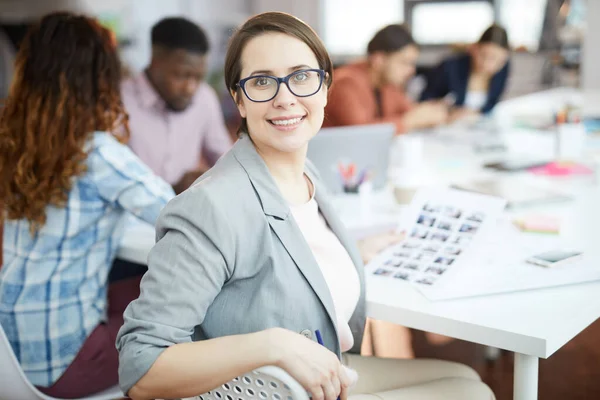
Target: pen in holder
(351, 178)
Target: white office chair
(266, 383)
(15, 386)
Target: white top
(475, 100)
(335, 263)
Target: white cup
(407, 152)
(570, 143)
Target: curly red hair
(66, 87)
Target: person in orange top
(372, 91)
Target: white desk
(533, 324)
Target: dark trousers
(95, 368)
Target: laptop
(350, 155)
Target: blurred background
(552, 39)
(554, 45)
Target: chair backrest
(14, 385)
(13, 382)
(266, 383)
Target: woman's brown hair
(497, 35)
(271, 22)
(65, 87)
(390, 39)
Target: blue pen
(362, 177)
(320, 341)
(319, 337)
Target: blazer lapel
(291, 237)
(283, 224)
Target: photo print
(431, 248)
(426, 220)
(382, 272)
(452, 212)
(419, 233)
(402, 254)
(402, 275)
(476, 217)
(454, 251)
(445, 225)
(431, 208)
(426, 280)
(411, 265)
(440, 236)
(423, 257)
(444, 260)
(441, 226)
(435, 270)
(468, 228)
(393, 263)
(461, 240)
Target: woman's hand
(314, 366)
(427, 114)
(463, 113)
(373, 245)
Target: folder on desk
(514, 192)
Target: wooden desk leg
(526, 377)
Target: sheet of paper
(442, 227)
(498, 265)
(461, 244)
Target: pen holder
(356, 202)
(350, 189)
(407, 151)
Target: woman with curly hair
(66, 182)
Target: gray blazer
(230, 259)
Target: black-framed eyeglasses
(302, 83)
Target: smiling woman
(252, 260)
(295, 108)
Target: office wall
(307, 10)
(138, 16)
(133, 19)
(220, 17)
(590, 66)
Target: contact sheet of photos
(438, 233)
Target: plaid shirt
(53, 285)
